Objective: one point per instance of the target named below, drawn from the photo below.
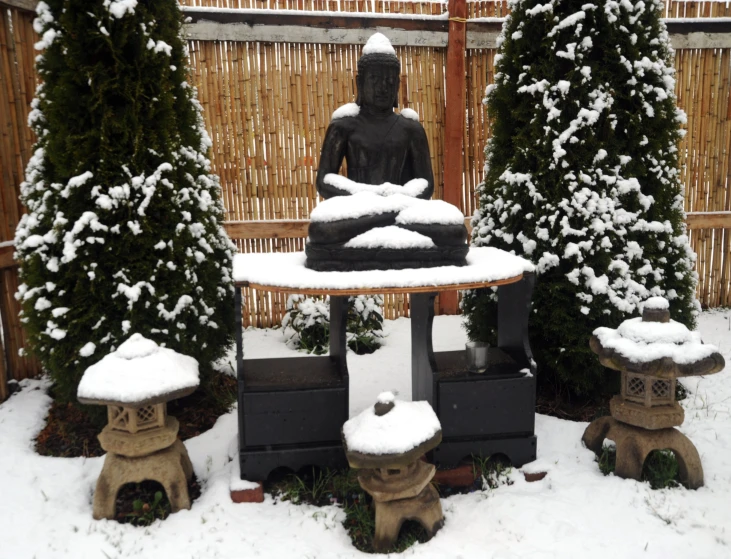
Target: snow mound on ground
(139, 370)
(405, 427)
(390, 237)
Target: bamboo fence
(267, 105)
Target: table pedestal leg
(422, 352)
(338, 327)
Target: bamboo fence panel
(703, 89)
(17, 87)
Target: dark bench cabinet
(481, 414)
(291, 409)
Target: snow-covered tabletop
(139, 372)
(486, 266)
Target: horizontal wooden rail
(267, 229)
(289, 26)
(297, 228)
(708, 220)
(6, 257)
(27, 5)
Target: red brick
(538, 476)
(461, 476)
(248, 495)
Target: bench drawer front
(294, 417)
(487, 407)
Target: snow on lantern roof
(403, 428)
(378, 43)
(139, 372)
(657, 303)
(656, 345)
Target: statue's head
(379, 72)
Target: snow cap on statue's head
(377, 53)
(378, 43)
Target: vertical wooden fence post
(454, 122)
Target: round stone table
(291, 409)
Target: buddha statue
(381, 215)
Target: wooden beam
(213, 31)
(708, 220)
(297, 228)
(289, 26)
(317, 20)
(269, 229)
(6, 257)
(454, 124)
(25, 5)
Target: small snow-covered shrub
(581, 177)
(365, 323)
(307, 323)
(124, 225)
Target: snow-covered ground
(45, 503)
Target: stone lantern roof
(655, 345)
(139, 373)
(390, 434)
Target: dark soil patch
(69, 432)
(141, 504)
(567, 406)
(71, 429)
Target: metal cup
(477, 356)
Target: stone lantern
(651, 353)
(141, 439)
(386, 443)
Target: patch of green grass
(494, 471)
(660, 468)
(341, 488)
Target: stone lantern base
(402, 493)
(170, 467)
(142, 444)
(635, 443)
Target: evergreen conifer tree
(582, 176)
(123, 232)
